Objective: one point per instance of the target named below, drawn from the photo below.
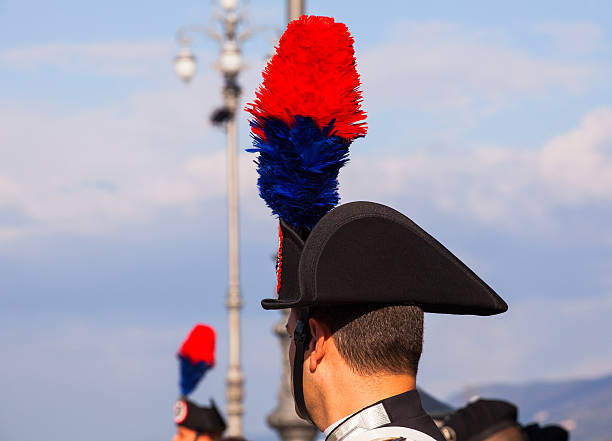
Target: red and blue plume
(196, 356)
(306, 113)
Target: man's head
(357, 343)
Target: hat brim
(364, 252)
(273, 304)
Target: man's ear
(320, 333)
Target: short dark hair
(376, 338)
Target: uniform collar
(404, 406)
(367, 419)
(332, 426)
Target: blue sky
(490, 126)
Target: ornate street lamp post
(229, 64)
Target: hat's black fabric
(547, 433)
(290, 246)
(364, 252)
(198, 418)
(479, 420)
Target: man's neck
(349, 394)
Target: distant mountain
(585, 405)
(433, 406)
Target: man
(359, 276)
(196, 356)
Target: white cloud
(573, 37)
(91, 170)
(118, 58)
(440, 66)
(578, 165)
(517, 189)
(94, 169)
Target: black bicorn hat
(479, 420)
(201, 419)
(364, 252)
(306, 114)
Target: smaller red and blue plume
(306, 113)
(196, 356)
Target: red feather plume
(313, 75)
(199, 345)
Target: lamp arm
(248, 33)
(182, 35)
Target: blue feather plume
(190, 374)
(298, 168)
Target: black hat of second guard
(201, 419)
(479, 420)
(364, 252)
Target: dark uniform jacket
(397, 418)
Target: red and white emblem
(180, 411)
